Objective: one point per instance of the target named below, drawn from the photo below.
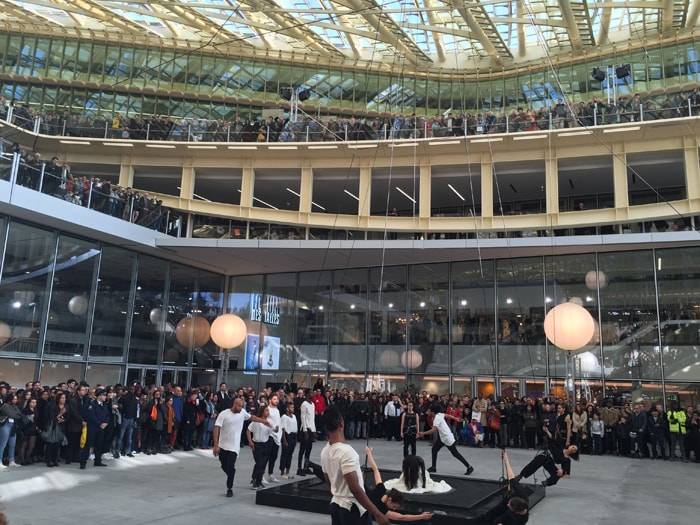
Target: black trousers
(544, 461)
(409, 442)
(97, 440)
(288, 452)
(227, 458)
(306, 443)
(438, 444)
(341, 516)
(272, 451)
(393, 428)
(73, 449)
(261, 454)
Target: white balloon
(5, 333)
(411, 359)
(569, 326)
(595, 279)
(78, 305)
(576, 300)
(156, 316)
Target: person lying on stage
(548, 459)
(389, 501)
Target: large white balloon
(156, 316)
(228, 331)
(389, 359)
(78, 305)
(596, 279)
(569, 326)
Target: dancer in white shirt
(307, 434)
(227, 439)
(350, 505)
(259, 440)
(275, 438)
(445, 438)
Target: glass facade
(72, 307)
(208, 79)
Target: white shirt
(276, 423)
(231, 425)
(289, 424)
(260, 433)
(308, 413)
(443, 429)
(337, 460)
(390, 410)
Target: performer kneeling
(389, 502)
(445, 438)
(548, 459)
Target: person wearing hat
(98, 420)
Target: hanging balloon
(5, 333)
(411, 359)
(228, 331)
(569, 326)
(78, 305)
(576, 300)
(389, 359)
(596, 279)
(192, 332)
(156, 316)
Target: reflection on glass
(387, 326)
(313, 305)
(628, 315)
(191, 330)
(53, 372)
(244, 299)
(349, 319)
(209, 302)
(678, 274)
(98, 374)
(428, 325)
(112, 303)
(26, 271)
(276, 322)
(473, 342)
(521, 339)
(150, 320)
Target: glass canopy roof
(451, 34)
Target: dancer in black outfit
(409, 430)
(548, 459)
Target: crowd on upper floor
(558, 115)
(55, 178)
(73, 422)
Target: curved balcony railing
(311, 129)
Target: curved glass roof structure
(416, 34)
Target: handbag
(199, 418)
(53, 435)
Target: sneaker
(300, 473)
(229, 493)
(130, 455)
(14, 464)
(273, 479)
(266, 482)
(470, 469)
(2, 467)
(284, 476)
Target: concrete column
(551, 185)
(365, 191)
(620, 177)
(424, 203)
(126, 173)
(187, 182)
(692, 168)
(487, 186)
(247, 185)
(306, 189)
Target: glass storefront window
(313, 326)
(191, 330)
(26, 272)
(349, 320)
(16, 372)
(209, 302)
(520, 302)
(150, 320)
(76, 264)
(244, 300)
(628, 315)
(387, 323)
(431, 384)
(98, 374)
(112, 303)
(276, 322)
(54, 372)
(472, 310)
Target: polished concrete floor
(186, 488)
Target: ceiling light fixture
(352, 195)
(406, 195)
(160, 146)
(290, 190)
(456, 192)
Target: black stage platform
(473, 501)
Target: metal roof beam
(483, 29)
(94, 10)
(692, 17)
(388, 31)
(436, 36)
(578, 23)
(22, 11)
(193, 18)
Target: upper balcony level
(640, 175)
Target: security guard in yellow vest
(676, 426)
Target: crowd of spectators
(557, 115)
(55, 178)
(73, 422)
